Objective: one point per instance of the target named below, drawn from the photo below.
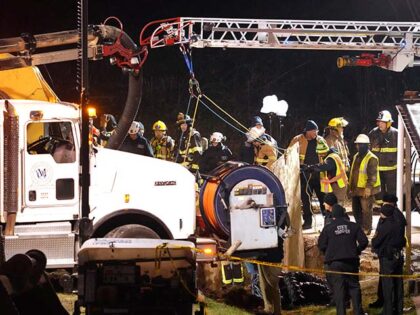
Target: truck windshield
(55, 138)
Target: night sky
(236, 79)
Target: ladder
(397, 41)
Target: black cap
(338, 211)
(390, 198)
(387, 210)
(330, 199)
(310, 125)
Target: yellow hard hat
(338, 122)
(159, 125)
(322, 147)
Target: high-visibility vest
(340, 176)
(363, 177)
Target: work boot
(376, 304)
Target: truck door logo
(41, 173)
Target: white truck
(133, 200)
(40, 142)
(40, 145)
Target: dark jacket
(388, 238)
(140, 145)
(189, 150)
(247, 153)
(328, 218)
(342, 240)
(384, 146)
(214, 156)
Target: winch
(244, 203)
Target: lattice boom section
(299, 34)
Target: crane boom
(398, 40)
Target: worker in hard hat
(216, 154)
(136, 142)
(265, 154)
(247, 149)
(162, 144)
(364, 182)
(384, 139)
(332, 173)
(309, 182)
(189, 148)
(334, 135)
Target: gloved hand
(307, 168)
(311, 168)
(367, 193)
(304, 168)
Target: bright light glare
(91, 111)
(271, 104)
(208, 251)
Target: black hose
(135, 87)
(132, 105)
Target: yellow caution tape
(297, 268)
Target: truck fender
(130, 217)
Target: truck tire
(132, 231)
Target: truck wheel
(132, 231)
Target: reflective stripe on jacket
(189, 154)
(265, 155)
(363, 171)
(340, 176)
(303, 145)
(163, 147)
(384, 146)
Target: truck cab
(40, 194)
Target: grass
(217, 308)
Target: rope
(194, 83)
(278, 149)
(182, 133)
(162, 249)
(191, 128)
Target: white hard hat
(362, 138)
(385, 116)
(216, 137)
(135, 128)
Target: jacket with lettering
(384, 146)
(342, 240)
